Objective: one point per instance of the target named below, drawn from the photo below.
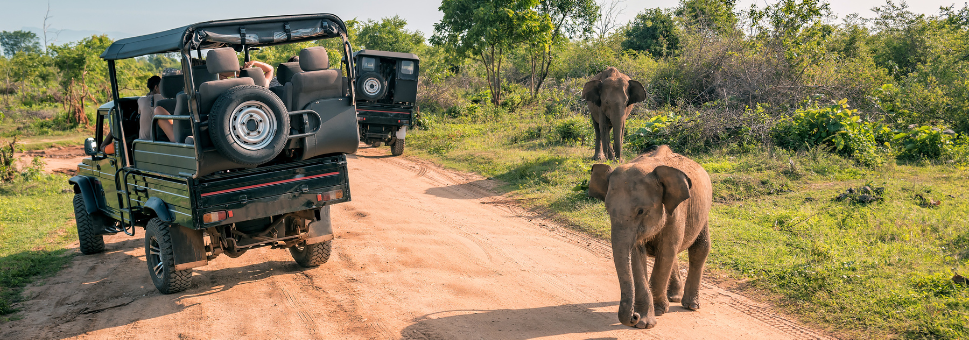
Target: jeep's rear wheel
(397, 148)
(161, 259)
(249, 125)
(91, 242)
(312, 255)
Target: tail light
(216, 216)
(330, 195)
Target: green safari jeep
(243, 165)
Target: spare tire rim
(371, 86)
(253, 125)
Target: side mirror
(90, 147)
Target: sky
(121, 19)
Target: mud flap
(402, 133)
(188, 246)
(320, 230)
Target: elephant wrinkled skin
(659, 206)
(611, 96)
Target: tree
(710, 15)
(608, 17)
(389, 35)
(568, 19)
(19, 41)
(84, 74)
(486, 29)
(652, 31)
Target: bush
(572, 131)
(655, 131)
(925, 142)
(836, 126)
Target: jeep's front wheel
(161, 259)
(88, 236)
(312, 255)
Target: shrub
(836, 126)
(655, 131)
(925, 142)
(572, 131)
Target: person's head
(294, 58)
(153, 84)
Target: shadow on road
(113, 289)
(514, 324)
(470, 190)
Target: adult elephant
(611, 95)
(659, 206)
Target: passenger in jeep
(147, 110)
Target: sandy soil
(420, 253)
(61, 160)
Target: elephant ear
(599, 183)
(676, 186)
(637, 92)
(590, 92)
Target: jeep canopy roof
(252, 32)
(385, 54)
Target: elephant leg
(644, 297)
(598, 154)
(660, 278)
(698, 256)
(617, 135)
(675, 290)
(604, 127)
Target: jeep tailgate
(273, 190)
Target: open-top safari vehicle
(247, 166)
(386, 96)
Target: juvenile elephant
(611, 95)
(659, 206)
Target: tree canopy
(653, 31)
(388, 34)
(19, 41)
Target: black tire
(312, 255)
(371, 86)
(161, 259)
(397, 148)
(87, 228)
(249, 125)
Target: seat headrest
(256, 74)
(286, 71)
(171, 85)
(314, 59)
(222, 60)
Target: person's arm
(266, 69)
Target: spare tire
(249, 125)
(372, 86)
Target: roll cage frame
(193, 37)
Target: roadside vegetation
(838, 147)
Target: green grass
(35, 226)
(862, 271)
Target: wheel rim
(371, 86)
(154, 258)
(252, 125)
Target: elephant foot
(598, 157)
(691, 302)
(675, 298)
(646, 323)
(660, 308)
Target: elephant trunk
(622, 245)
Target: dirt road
(420, 253)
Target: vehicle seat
(200, 74)
(316, 81)
(284, 75)
(217, 61)
(181, 129)
(170, 86)
(258, 77)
